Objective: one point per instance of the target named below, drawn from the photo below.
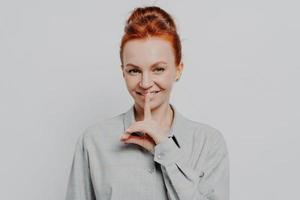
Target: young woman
(151, 151)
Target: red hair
(149, 22)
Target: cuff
(166, 152)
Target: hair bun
(151, 21)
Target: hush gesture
(153, 132)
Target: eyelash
(159, 69)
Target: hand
(153, 132)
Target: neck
(163, 114)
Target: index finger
(147, 108)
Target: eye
(160, 69)
(133, 71)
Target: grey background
(60, 72)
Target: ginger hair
(151, 21)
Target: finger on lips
(147, 108)
(147, 115)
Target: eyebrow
(159, 62)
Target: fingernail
(124, 136)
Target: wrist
(161, 139)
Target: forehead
(147, 51)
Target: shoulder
(211, 136)
(205, 129)
(104, 128)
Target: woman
(151, 151)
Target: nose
(146, 81)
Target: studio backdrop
(60, 72)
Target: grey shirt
(193, 164)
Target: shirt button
(201, 175)
(159, 156)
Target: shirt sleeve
(186, 180)
(80, 186)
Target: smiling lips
(143, 93)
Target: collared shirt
(193, 164)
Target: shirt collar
(177, 128)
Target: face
(149, 65)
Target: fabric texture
(191, 164)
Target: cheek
(165, 82)
(131, 82)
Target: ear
(179, 69)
